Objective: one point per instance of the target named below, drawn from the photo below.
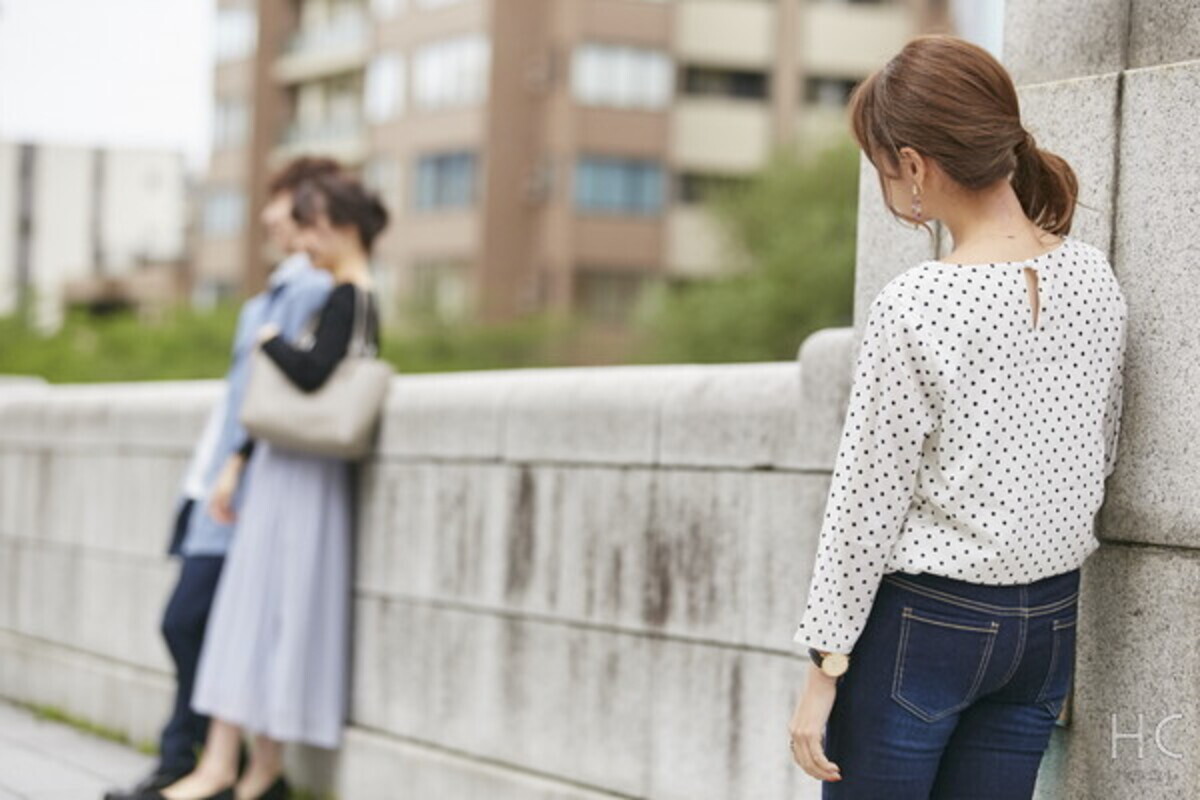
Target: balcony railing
(343, 139)
(347, 32)
(341, 45)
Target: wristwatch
(832, 664)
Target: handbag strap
(359, 344)
(308, 333)
(358, 338)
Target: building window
(324, 26)
(384, 88)
(327, 112)
(622, 76)
(712, 81)
(618, 185)
(608, 296)
(445, 180)
(231, 123)
(452, 72)
(236, 33)
(695, 187)
(831, 92)
(224, 212)
(441, 289)
(381, 174)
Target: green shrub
(794, 221)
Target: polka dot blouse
(977, 443)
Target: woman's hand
(808, 726)
(220, 500)
(268, 331)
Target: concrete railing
(570, 583)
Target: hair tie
(1027, 144)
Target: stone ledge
(128, 699)
(741, 416)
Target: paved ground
(42, 760)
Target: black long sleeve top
(309, 369)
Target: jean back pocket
(940, 661)
(1057, 684)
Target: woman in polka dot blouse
(982, 424)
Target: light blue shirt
(295, 292)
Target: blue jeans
(953, 689)
(183, 626)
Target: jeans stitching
(1041, 695)
(1020, 650)
(977, 604)
(983, 665)
(1054, 653)
(912, 615)
(980, 606)
(898, 669)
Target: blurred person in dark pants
(296, 290)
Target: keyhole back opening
(1031, 282)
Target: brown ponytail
(1046, 186)
(952, 101)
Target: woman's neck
(982, 220)
(352, 269)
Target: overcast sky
(129, 73)
(138, 73)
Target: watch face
(835, 664)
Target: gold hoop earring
(916, 202)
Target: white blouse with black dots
(976, 445)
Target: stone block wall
(570, 583)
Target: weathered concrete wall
(1127, 123)
(571, 583)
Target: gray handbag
(340, 418)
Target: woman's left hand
(220, 500)
(807, 726)
(268, 331)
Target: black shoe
(155, 794)
(279, 790)
(152, 782)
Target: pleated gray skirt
(276, 651)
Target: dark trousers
(953, 689)
(183, 627)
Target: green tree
(795, 222)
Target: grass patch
(54, 714)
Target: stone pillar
(1113, 86)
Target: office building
(536, 154)
(90, 226)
